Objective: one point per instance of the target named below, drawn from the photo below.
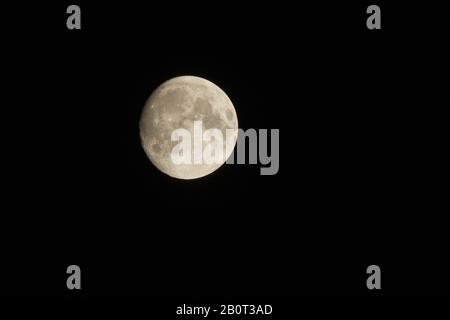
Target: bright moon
(175, 104)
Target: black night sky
(355, 185)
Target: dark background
(359, 180)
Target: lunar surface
(178, 103)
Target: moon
(177, 103)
